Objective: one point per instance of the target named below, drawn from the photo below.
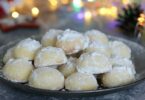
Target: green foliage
(127, 19)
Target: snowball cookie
(18, 70)
(72, 41)
(100, 48)
(123, 62)
(50, 56)
(81, 81)
(120, 50)
(49, 39)
(46, 78)
(94, 63)
(95, 35)
(118, 76)
(8, 55)
(26, 48)
(68, 68)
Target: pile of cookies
(69, 60)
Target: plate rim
(58, 92)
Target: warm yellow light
(53, 4)
(111, 11)
(142, 15)
(65, 2)
(87, 17)
(102, 11)
(15, 14)
(125, 2)
(114, 9)
(90, 0)
(141, 19)
(35, 11)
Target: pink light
(80, 15)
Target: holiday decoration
(140, 28)
(82, 10)
(128, 18)
(19, 21)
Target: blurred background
(22, 18)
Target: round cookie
(46, 78)
(8, 55)
(81, 82)
(96, 35)
(49, 39)
(118, 76)
(18, 70)
(50, 56)
(99, 47)
(123, 62)
(68, 68)
(72, 41)
(120, 50)
(27, 49)
(94, 63)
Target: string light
(35, 11)
(91, 0)
(111, 11)
(53, 4)
(125, 2)
(102, 11)
(15, 14)
(141, 19)
(77, 4)
(87, 16)
(80, 15)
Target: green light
(77, 5)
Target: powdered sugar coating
(94, 63)
(118, 76)
(50, 56)
(72, 41)
(46, 78)
(68, 68)
(120, 49)
(29, 43)
(99, 47)
(49, 39)
(9, 55)
(96, 35)
(27, 49)
(81, 81)
(123, 63)
(18, 70)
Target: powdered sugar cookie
(50, 56)
(81, 81)
(49, 39)
(72, 41)
(94, 63)
(27, 49)
(95, 35)
(99, 47)
(18, 70)
(9, 55)
(46, 78)
(118, 76)
(120, 50)
(68, 68)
